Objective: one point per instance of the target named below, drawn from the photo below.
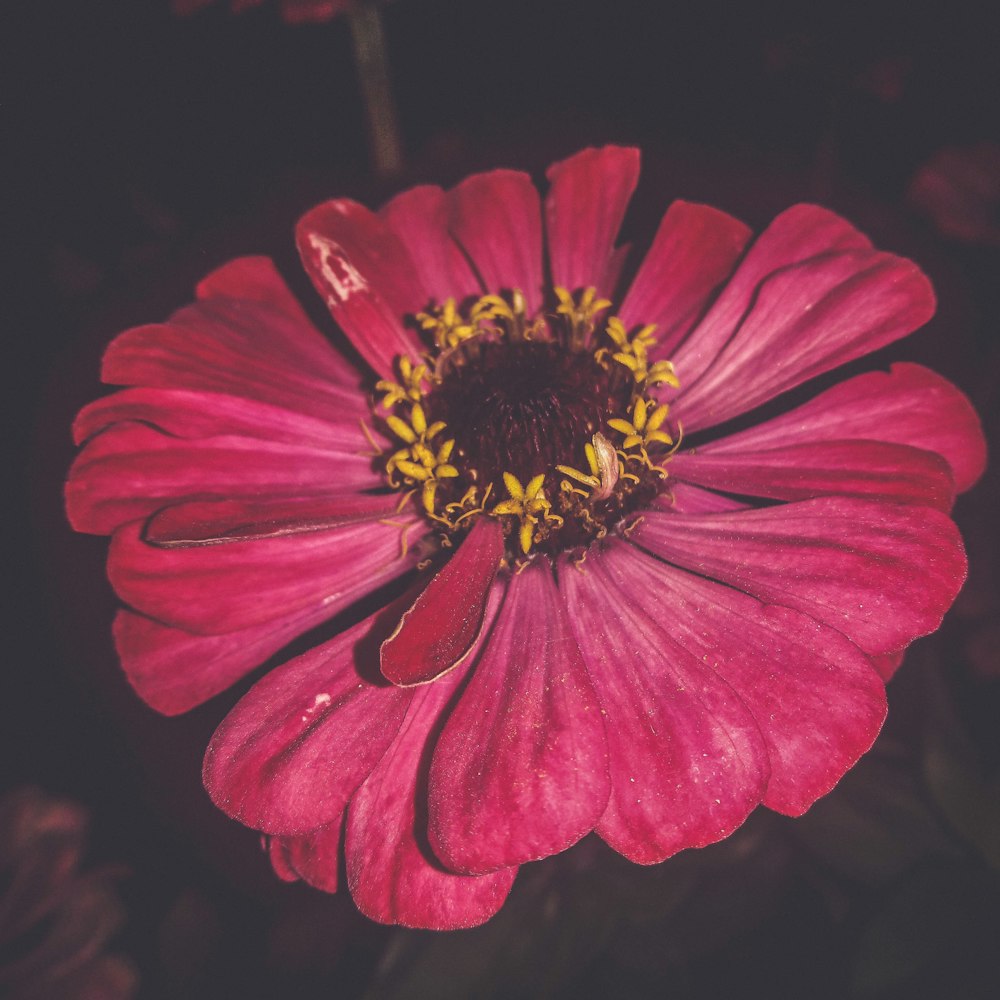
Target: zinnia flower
(585, 622)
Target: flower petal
(796, 235)
(292, 751)
(521, 768)
(800, 471)
(584, 209)
(391, 873)
(214, 589)
(497, 219)
(419, 217)
(174, 671)
(817, 699)
(438, 632)
(813, 317)
(188, 414)
(131, 470)
(210, 353)
(313, 857)
(687, 760)
(695, 249)
(366, 278)
(908, 405)
(881, 573)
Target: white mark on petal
(341, 276)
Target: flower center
(543, 423)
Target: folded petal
(213, 589)
(497, 219)
(908, 405)
(796, 235)
(438, 631)
(584, 209)
(804, 321)
(687, 760)
(800, 471)
(393, 877)
(881, 573)
(313, 857)
(694, 251)
(366, 277)
(419, 218)
(292, 751)
(174, 671)
(816, 697)
(131, 470)
(521, 768)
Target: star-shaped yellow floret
(643, 430)
(448, 326)
(409, 388)
(581, 315)
(528, 504)
(605, 469)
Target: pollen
(550, 423)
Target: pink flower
(292, 11)
(588, 624)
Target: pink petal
(214, 357)
(583, 212)
(497, 219)
(392, 876)
(438, 632)
(131, 470)
(796, 235)
(804, 321)
(888, 663)
(419, 217)
(816, 698)
(218, 522)
(214, 589)
(291, 753)
(521, 769)
(800, 471)
(188, 414)
(881, 573)
(174, 671)
(908, 405)
(694, 251)
(366, 278)
(313, 857)
(687, 760)
(683, 498)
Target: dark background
(142, 150)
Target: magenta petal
(366, 278)
(521, 769)
(683, 498)
(694, 251)
(392, 875)
(288, 757)
(254, 279)
(800, 471)
(211, 355)
(131, 470)
(796, 235)
(213, 589)
(419, 217)
(217, 522)
(497, 219)
(174, 671)
(687, 760)
(888, 663)
(313, 857)
(908, 405)
(188, 414)
(813, 317)
(815, 696)
(881, 573)
(438, 632)
(583, 212)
